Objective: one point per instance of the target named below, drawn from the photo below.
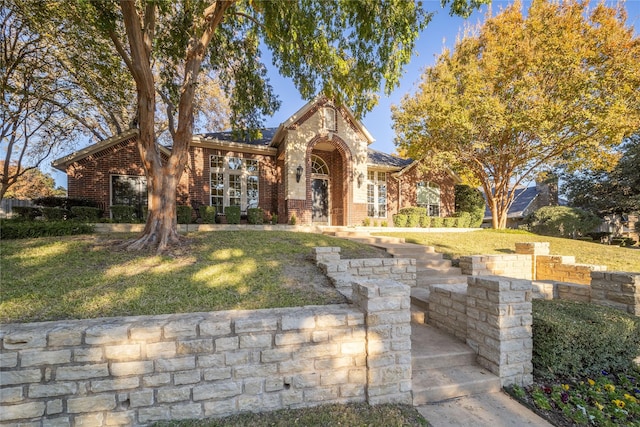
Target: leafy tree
(471, 200)
(521, 94)
(604, 192)
(343, 49)
(31, 184)
(562, 221)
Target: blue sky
(441, 32)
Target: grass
(353, 415)
(486, 242)
(80, 277)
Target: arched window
(318, 166)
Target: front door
(320, 200)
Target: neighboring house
(621, 225)
(316, 166)
(528, 200)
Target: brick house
(316, 166)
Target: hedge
(63, 202)
(573, 339)
(183, 213)
(413, 210)
(27, 213)
(55, 214)
(255, 216)
(12, 229)
(208, 214)
(86, 213)
(400, 220)
(123, 214)
(232, 213)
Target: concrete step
(420, 298)
(431, 262)
(423, 280)
(436, 385)
(406, 251)
(418, 316)
(377, 241)
(432, 348)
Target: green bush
(12, 229)
(28, 213)
(384, 224)
(437, 221)
(366, 222)
(413, 210)
(470, 200)
(623, 241)
(274, 219)
(183, 213)
(55, 214)
(450, 222)
(293, 220)
(572, 339)
(233, 214)
(464, 219)
(63, 202)
(425, 221)
(86, 213)
(124, 214)
(255, 216)
(561, 221)
(413, 220)
(400, 220)
(208, 214)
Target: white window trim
(226, 171)
(376, 193)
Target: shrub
(384, 224)
(255, 216)
(208, 214)
(623, 241)
(562, 221)
(437, 221)
(293, 220)
(233, 214)
(400, 220)
(183, 214)
(572, 339)
(375, 223)
(450, 222)
(470, 200)
(28, 213)
(464, 219)
(12, 229)
(425, 221)
(63, 202)
(413, 210)
(86, 213)
(413, 220)
(274, 219)
(55, 214)
(366, 222)
(123, 214)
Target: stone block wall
(517, 266)
(138, 370)
(565, 269)
(448, 309)
(616, 289)
(499, 326)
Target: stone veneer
(616, 289)
(138, 370)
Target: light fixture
(298, 173)
(360, 179)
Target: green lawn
(88, 276)
(485, 242)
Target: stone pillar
(499, 326)
(616, 289)
(386, 305)
(534, 249)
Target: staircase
(443, 367)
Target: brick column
(387, 317)
(616, 289)
(499, 326)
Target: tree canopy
(604, 192)
(343, 49)
(519, 94)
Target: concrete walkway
(484, 410)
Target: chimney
(547, 189)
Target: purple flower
(604, 372)
(564, 396)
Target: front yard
(87, 276)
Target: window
(330, 119)
(234, 182)
(428, 195)
(130, 191)
(377, 194)
(318, 166)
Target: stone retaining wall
(564, 269)
(616, 289)
(138, 370)
(448, 309)
(516, 266)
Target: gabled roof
(523, 199)
(63, 162)
(265, 140)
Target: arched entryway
(328, 161)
